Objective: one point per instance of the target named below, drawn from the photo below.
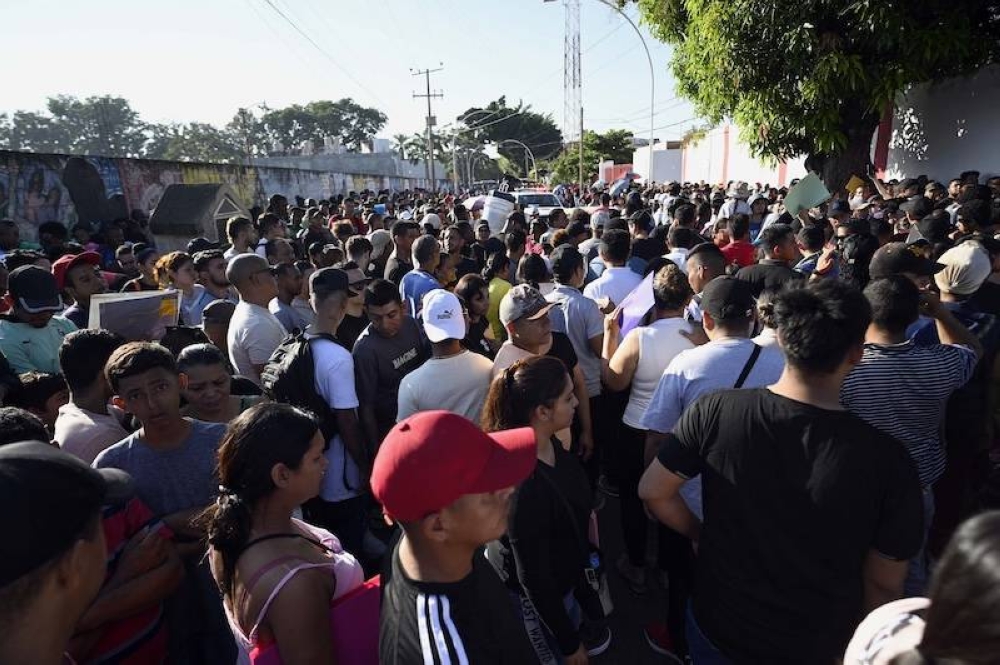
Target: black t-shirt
(475, 338)
(472, 620)
(395, 268)
(350, 329)
(562, 348)
(794, 499)
(987, 299)
(768, 275)
(647, 248)
(543, 554)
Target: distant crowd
(382, 432)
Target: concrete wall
(38, 188)
(720, 157)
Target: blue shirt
(413, 287)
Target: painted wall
(36, 188)
(943, 129)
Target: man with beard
(210, 265)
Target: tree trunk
(835, 170)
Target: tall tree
(497, 122)
(614, 145)
(813, 77)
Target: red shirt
(141, 638)
(740, 252)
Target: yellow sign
(853, 184)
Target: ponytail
(520, 389)
(228, 525)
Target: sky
(201, 60)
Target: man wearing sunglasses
(254, 331)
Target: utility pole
(581, 150)
(431, 121)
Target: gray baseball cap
(522, 301)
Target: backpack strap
(751, 361)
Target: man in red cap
(78, 275)
(449, 486)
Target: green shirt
(34, 349)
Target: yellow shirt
(498, 289)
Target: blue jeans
(700, 648)
(918, 574)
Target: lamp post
(527, 151)
(652, 78)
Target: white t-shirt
(335, 384)
(614, 283)
(458, 384)
(254, 334)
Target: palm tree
(401, 145)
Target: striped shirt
(468, 622)
(903, 389)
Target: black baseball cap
(328, 280)
(49, 497)
(898, 257)
(727, 298)
(839, 207)
(917, 206)
(34, 289)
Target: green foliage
(614, 145)
(497, 121)
(109, 126)
(813, 76)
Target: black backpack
(290, 377)
(855, 256)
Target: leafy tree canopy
(614, 144)
(812, 77)
(497, 121)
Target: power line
(319, 48)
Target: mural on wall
(35, 188)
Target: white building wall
(667, 164)
(942, 129)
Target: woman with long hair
(497, 276)
(474, 293)
(534, 271)
(959, 624)
(175, 272)
(278, 575)
(544, 552)
(207, 384)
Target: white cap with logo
(443, 316)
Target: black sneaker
(596, 638)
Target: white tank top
(659, 342)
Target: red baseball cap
(64, 263)
(431, 459)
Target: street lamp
(652, 78)
(527, 151)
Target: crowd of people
(382, 432)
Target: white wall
(720, 157)
(667, 163)
(942, 129)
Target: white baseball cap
(442, 315)
(432, 219)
